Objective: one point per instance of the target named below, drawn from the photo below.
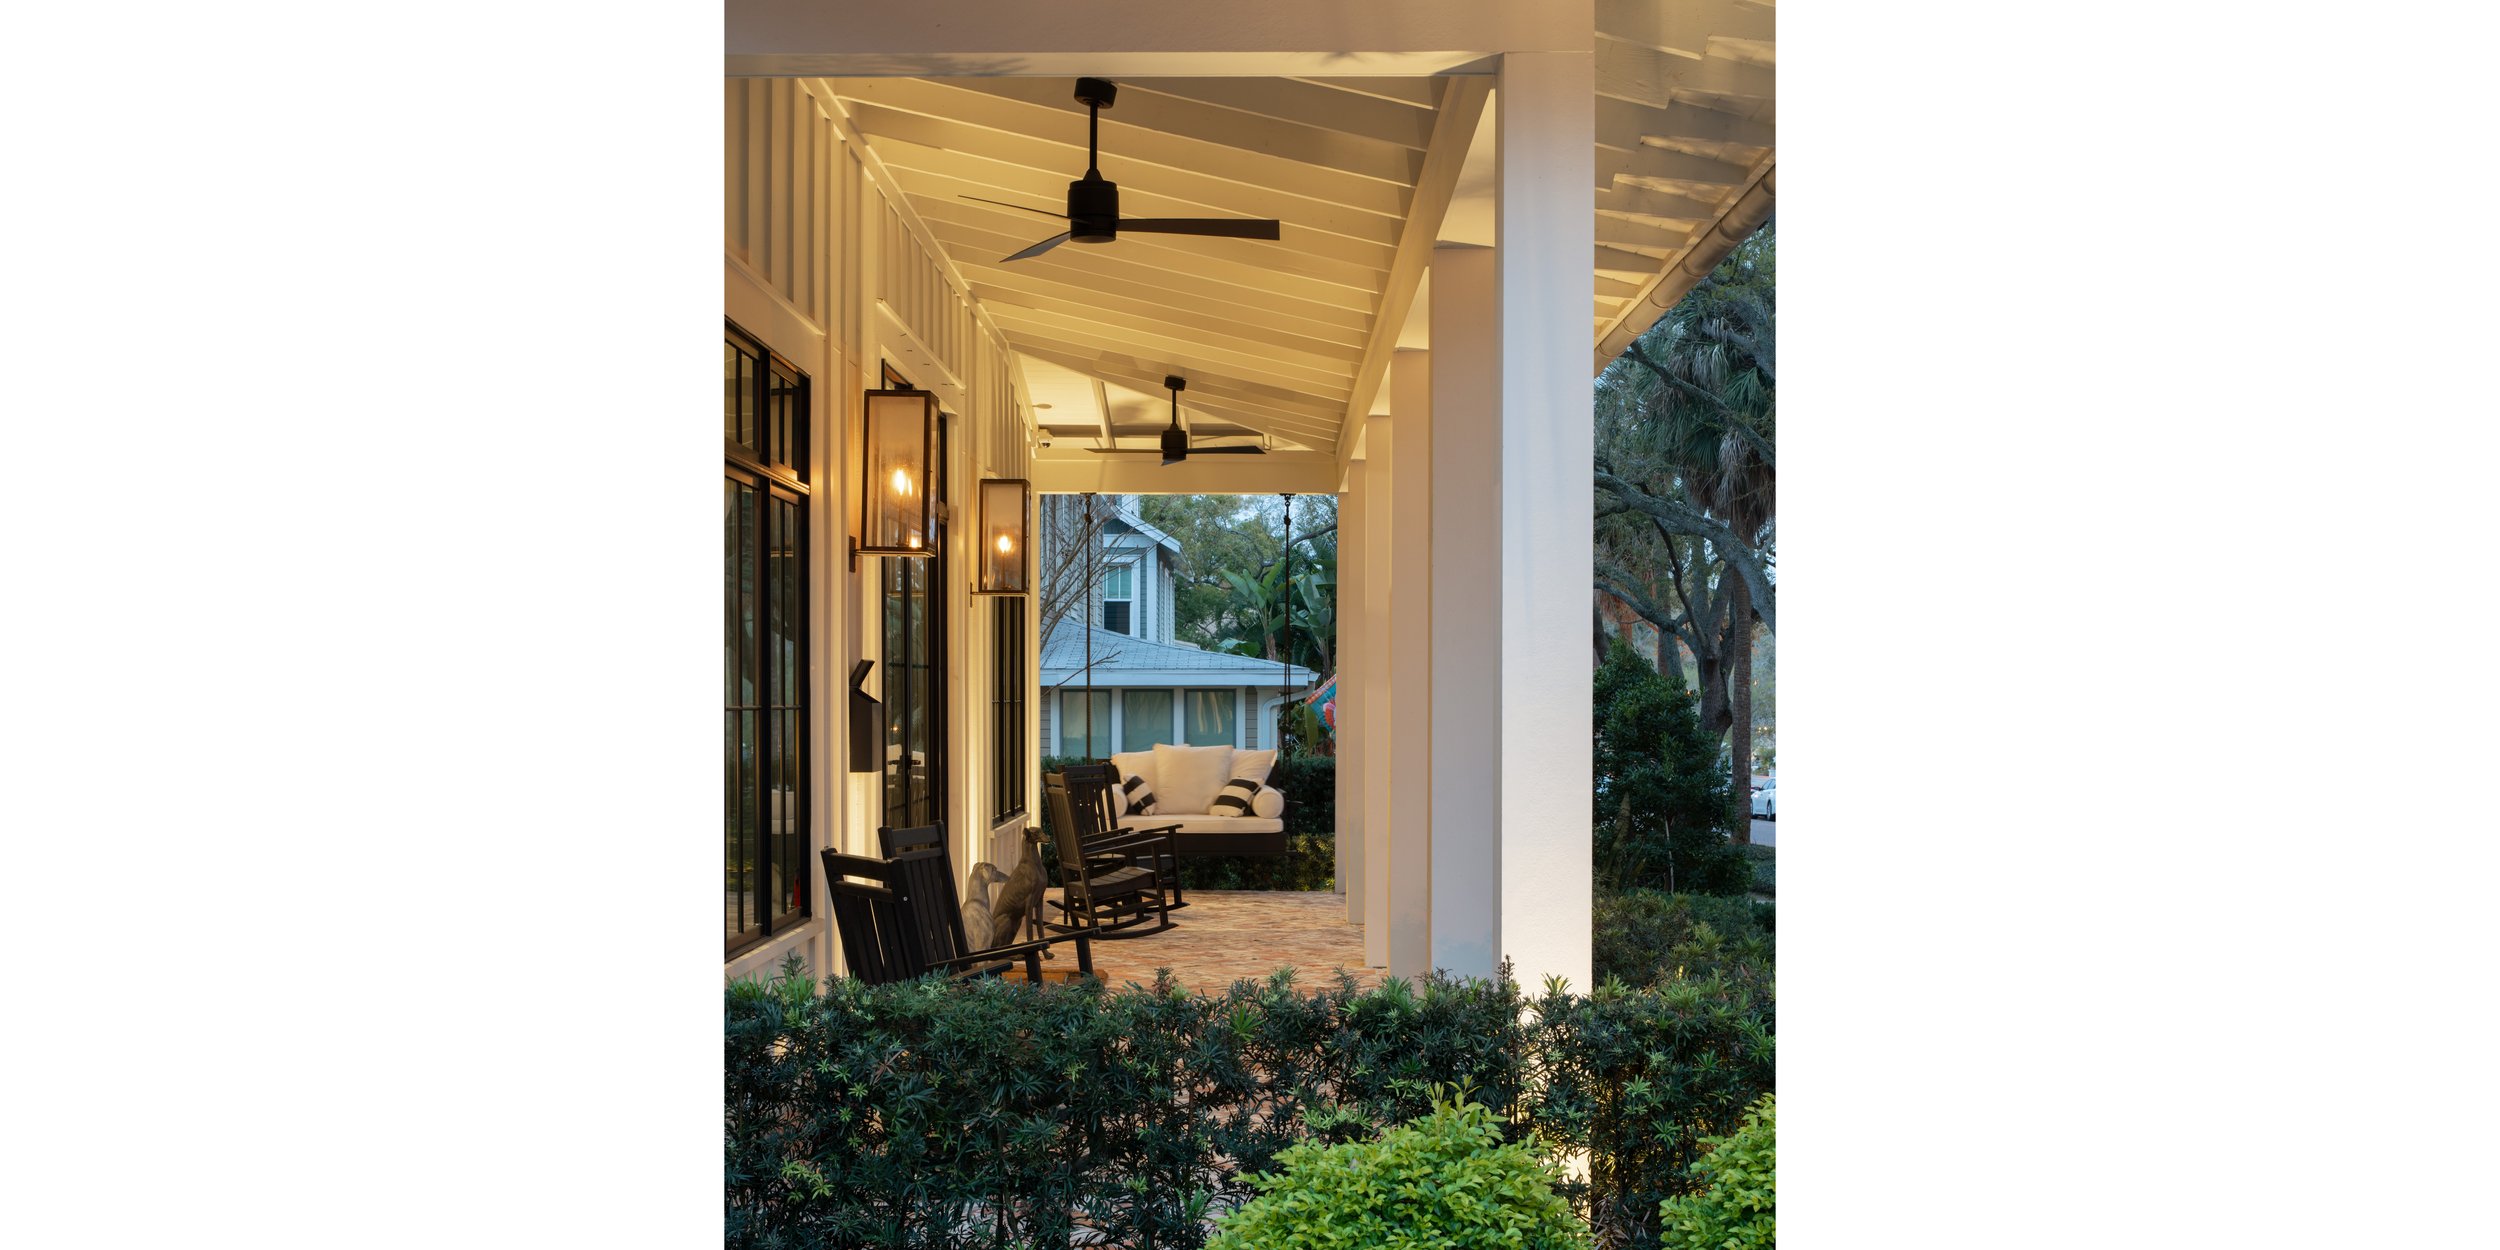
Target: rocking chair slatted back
(1065, 832)
(867, 917)
(918, 856)
(1089, 792)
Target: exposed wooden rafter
(1454, 128)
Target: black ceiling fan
(1093, 214)
(1176, 440)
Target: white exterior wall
(822, 268)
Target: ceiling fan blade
(1039, 248)
(1038, 212)
(1228, 451)
(1218, 227)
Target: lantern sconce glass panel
(897, 502)
(1006, 554)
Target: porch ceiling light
(1006, 555)
(897, 499)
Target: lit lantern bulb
(902, 482)
(1005, 544)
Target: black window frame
(773, 465)
(1008, 677)
(909, 801)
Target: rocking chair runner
(1089, 796)
(1112, 884)
(900, 918)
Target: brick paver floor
(1226, 935)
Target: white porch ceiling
(1283, 342)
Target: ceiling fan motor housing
(1093, 209)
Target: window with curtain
(1118, 595)
(764, 637)
(1207, 718)
(1080, 734)
(1145, 719)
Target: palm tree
(1686, 423)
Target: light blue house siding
(1147, 686)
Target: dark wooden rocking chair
(1089, 795)
(899, 918)
(1113, 883)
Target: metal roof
(1121, 660)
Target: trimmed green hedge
(1309, 784)
(997, 1114)
(1644, 937)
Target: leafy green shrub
(1445, 1180)
(1736, 1206)
(996, 1114)
(1663, 807)
(1646, 936)
(1765, 861)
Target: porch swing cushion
(1187, 778)
(1191, 823)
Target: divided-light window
(764, 643)
(1118, 594)
(1008, 674)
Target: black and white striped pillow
(1141, 799)
(1234, 798)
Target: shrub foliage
(998, 1114)
(1645, 937)
(1447, 1181)
(1736, 1205)
(1662, 806)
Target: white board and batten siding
(823, 268)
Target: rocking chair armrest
(1012, 950)
(854, 865)
(1122, 843)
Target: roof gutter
(1698, 258)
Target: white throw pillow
(1137, 764)
(1255, 765)
(1186, 778)
(1268, 804)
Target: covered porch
(1455, 185)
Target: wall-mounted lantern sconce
(1006, 556)
(897, 499)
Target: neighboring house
(1148, 687)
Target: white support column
(1467, 574)
(1351, 627)
(1411, 724)
(1544, 230)
(1378, 702)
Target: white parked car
(1766, 798)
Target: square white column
(1353, 504)
(1467, 769)
(1545, 231)
(1378, 699)
(1411, 724)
